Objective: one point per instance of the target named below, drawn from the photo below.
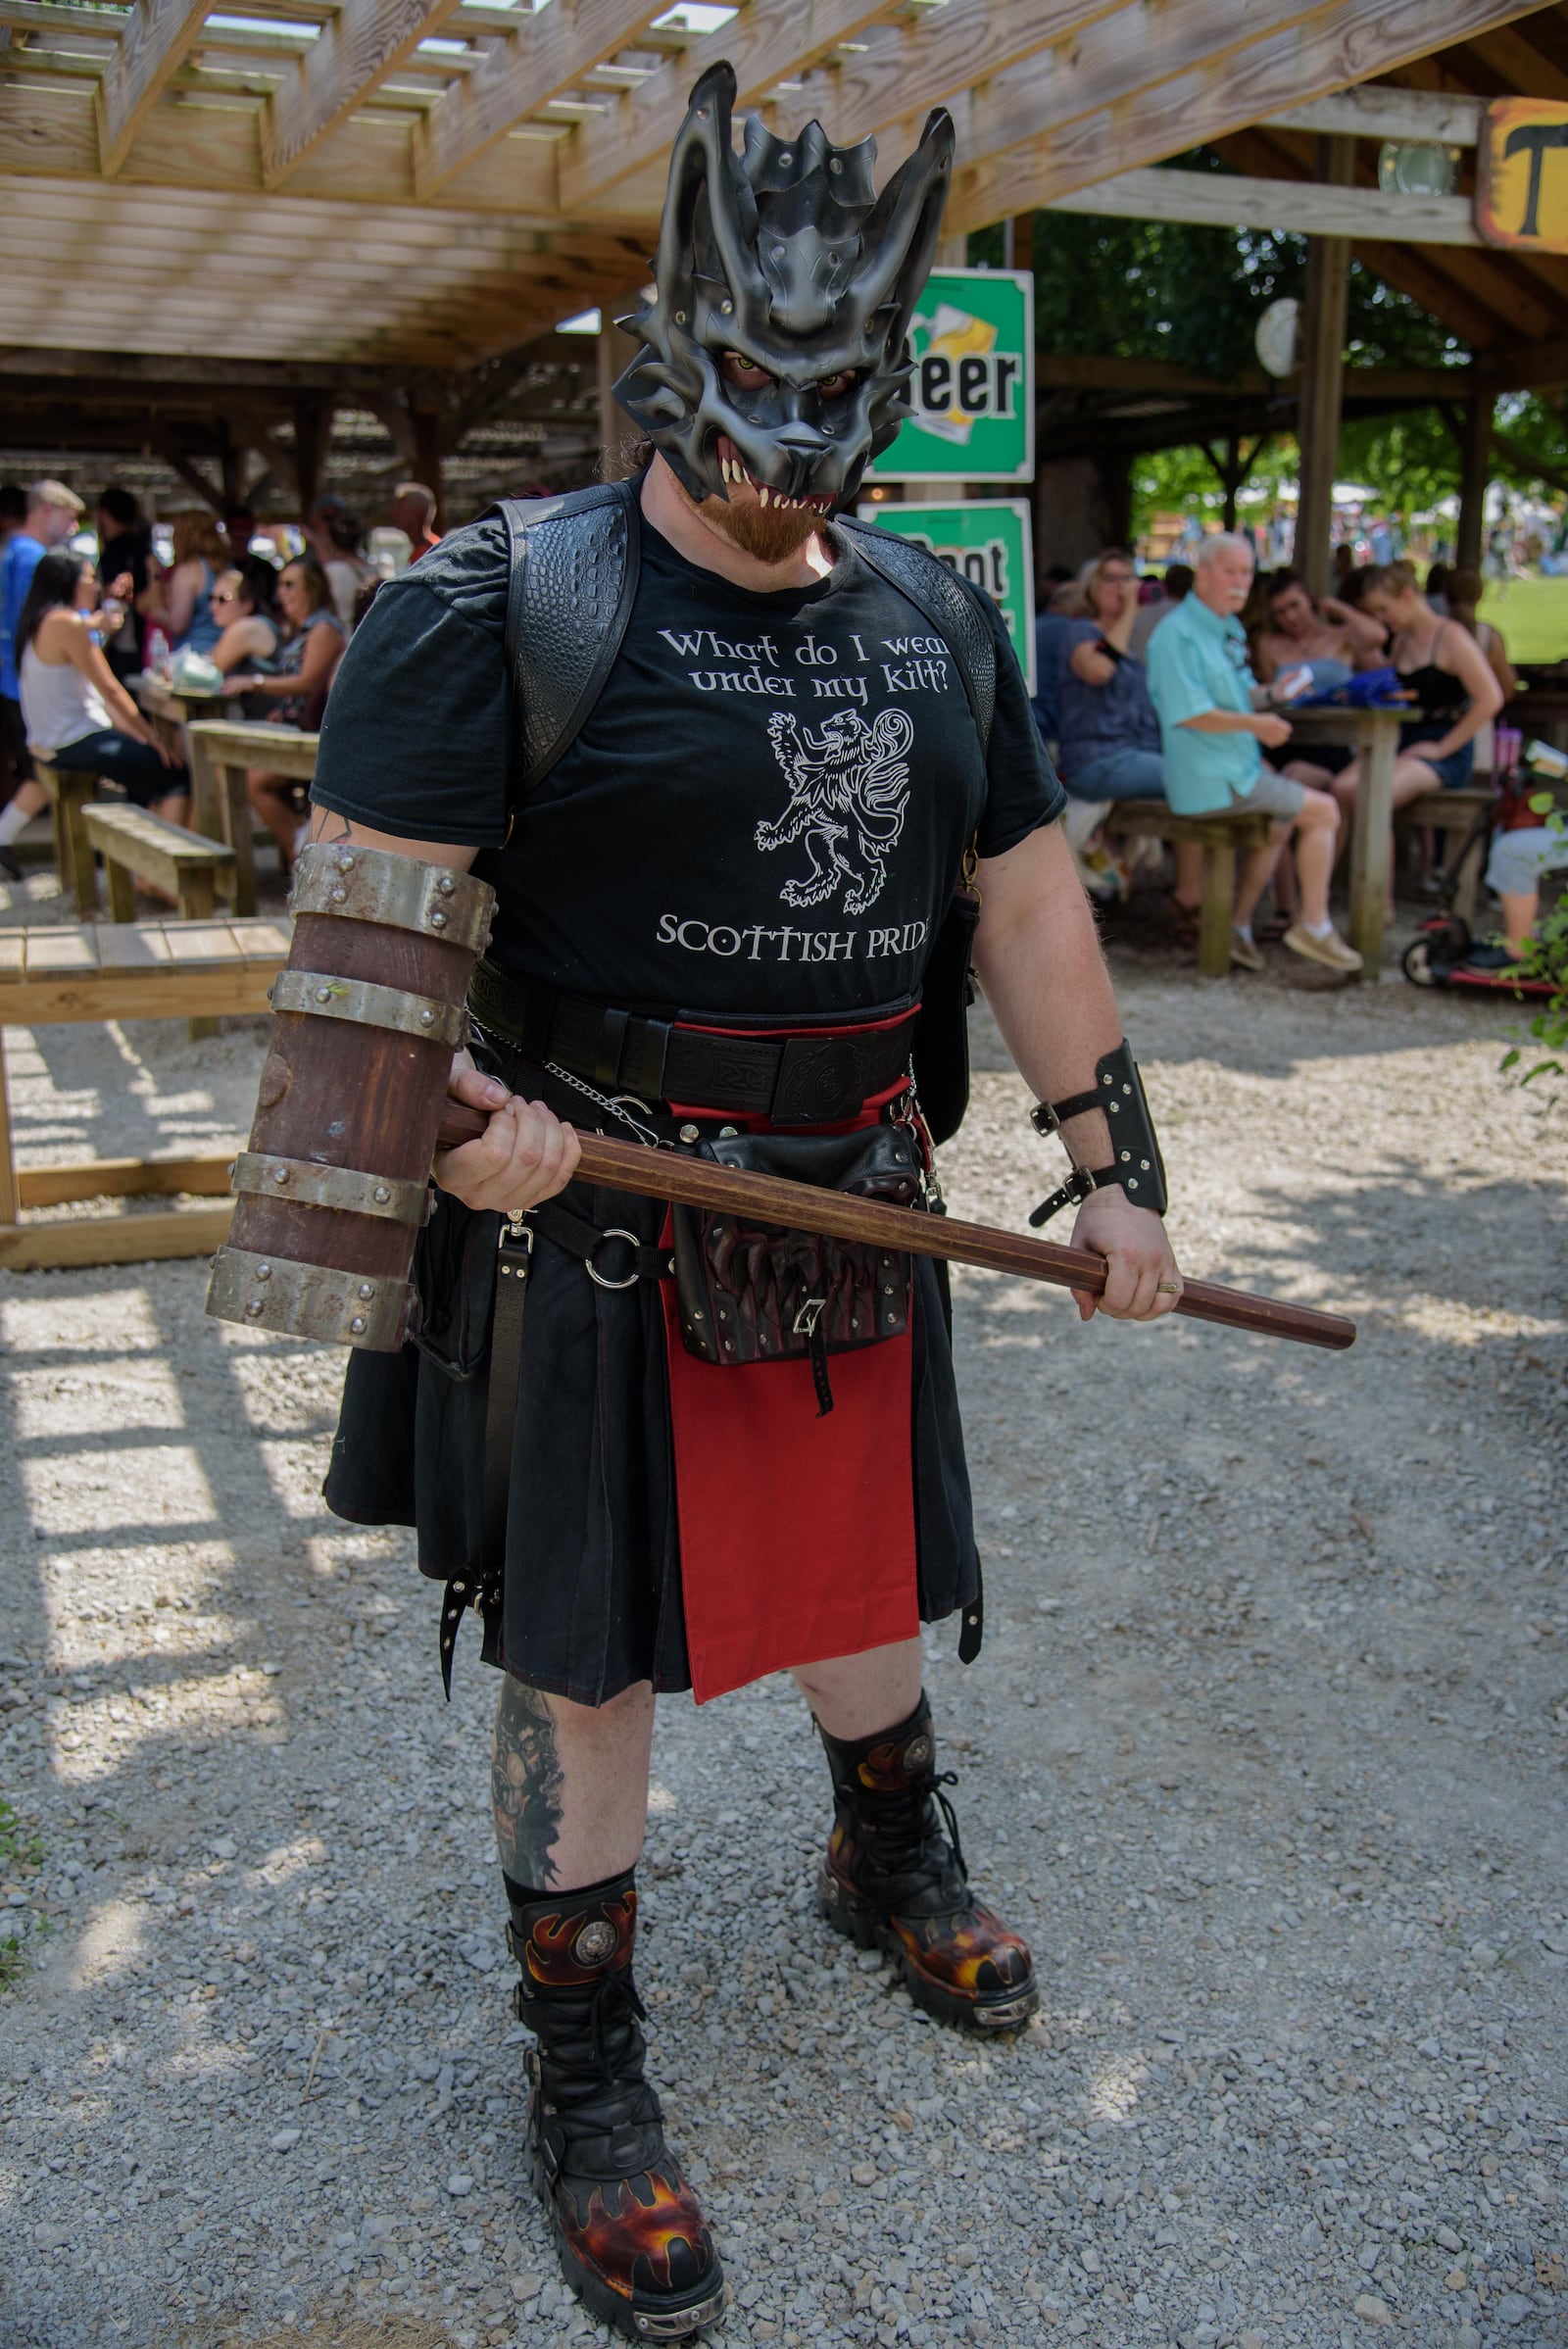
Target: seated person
(245, 602)
(337, 537)
(1514, 866)
(1176, 586)
(180, 599)
(1330, 636)
(1454, 688)
(1464, 592)
(1331, 639)
(1107, 733)
(296, 694)
(1213, 733)
(1063, 606)
(72, 702)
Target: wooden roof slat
(768, 42)
(154, 39)
(547, 55)
(1518, 62)
(1303, 55)
(1422, 272)
(351, 57)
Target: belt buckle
(820, 1081)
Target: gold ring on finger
(1168, 1288)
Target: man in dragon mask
(725, 755)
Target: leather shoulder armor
(574, 580)
(946, 604)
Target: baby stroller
(1444, 951)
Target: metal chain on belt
(603, 1101)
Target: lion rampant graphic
(849, 788)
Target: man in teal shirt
(1213, 733)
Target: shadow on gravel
(345, 2333)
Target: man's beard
(771, 534)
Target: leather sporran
(756, 1292)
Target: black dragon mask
(787, 260)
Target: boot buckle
(673, 2325)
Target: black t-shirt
(763, 815)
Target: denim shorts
(1453, 772)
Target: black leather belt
(790, 1080)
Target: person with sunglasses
(245, 603)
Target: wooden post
(312, 431)
(613, 352)
(1474, 466)
(1218, 903)
(427, 438)
(1372, 834)
(1317, 431)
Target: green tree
(1167, 289)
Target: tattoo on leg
(526, 1780)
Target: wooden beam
(1038, 134)
(1421, 272)
(1541, 366)
(313, 434)
(278, 460)
(158, 373)
(174, 456)
(1217, 199)
(1324, 309)
(769, 42)
(429, 446)
(1475, 470)
(350, 57)
(1379, 111)
(154, 39)
(547, 55)
(613, 352)
(1526, 460)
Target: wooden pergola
(221, 229)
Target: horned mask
(787, 257)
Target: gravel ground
(1266, 1751)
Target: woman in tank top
(1443, 667)
(180, 599)
(71, 700)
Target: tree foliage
(1171, 290)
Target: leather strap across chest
(790, 1080)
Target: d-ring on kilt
(864, 1520)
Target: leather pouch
(756, 1292)
(455, 1281)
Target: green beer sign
(973, 418)
(986, 541)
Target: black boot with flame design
(894, 1879)
(632, 2242)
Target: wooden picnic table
(1374, 736)
(169, 712)
(221, 750)
(124, 970)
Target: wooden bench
(70, 790)
(1450, 815)
(138, 846)
(221, 750)
(1219, 837)
(137, 970)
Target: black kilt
(591, 1582)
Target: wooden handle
(767, 1199)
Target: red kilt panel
(797, 1534)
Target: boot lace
(905, 1830)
